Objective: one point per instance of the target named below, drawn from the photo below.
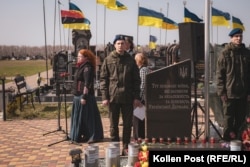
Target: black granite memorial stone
(168, 101)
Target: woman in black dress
(86, 124)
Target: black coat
(84, 76)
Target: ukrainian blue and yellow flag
(169, 24)
(191, 17)
(152, 42)
(220, 18)
(237, 23)
(107, 3)
(149, 17)
(118, 6)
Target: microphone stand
(59, 111)
(67, 138)
(59, 101)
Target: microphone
(61, 51)
(70, 62)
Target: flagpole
(54, 28)
(207, 62)
(96, 26)
(96, 77)
(149, 31)
(212, 34)
(217, 34)
(160, 28)
(60, 24)
(166, 30)
(104, 27)
(68, 36)
(184, 3)
(45, 40)
(137, 27)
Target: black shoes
(125, 152)
(92, 141)
(115, 139)
(82, 139)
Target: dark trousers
(127, 115)
(235, 111)
(138, 128)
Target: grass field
(47, 111)
(10, 68)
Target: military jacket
(119, 78)
(233, 71)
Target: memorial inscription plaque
(168, 101)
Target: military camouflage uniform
(120, 84)
(233, 80)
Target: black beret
(235, 31)
(119, 37)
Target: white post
(207, 62)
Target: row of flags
(219, 18)
(75, 19)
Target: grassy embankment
(10, 68)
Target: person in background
(139, 125)
(129, 46)
(233, 84)
(86, 124)
(120, 88)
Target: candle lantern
(76, 156)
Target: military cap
(119, 37)
(235, 31)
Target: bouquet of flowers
(64, 74)
(246, 135)
(142, 156)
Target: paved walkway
(39, 143)
(25, 143)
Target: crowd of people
(122, 84)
